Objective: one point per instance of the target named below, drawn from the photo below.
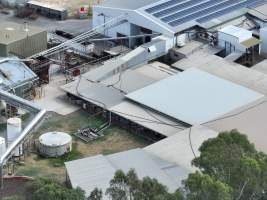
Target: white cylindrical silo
(2, 146)
(13, 132)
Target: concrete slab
(54, 99)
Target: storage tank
(2, 146)
(55, 144)
(13, 132)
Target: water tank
(2, 146)
(13, 132)
(181, 40)
(55, 144)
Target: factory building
(21, 40)
(215, 38)
(178, 20)
(51, 11)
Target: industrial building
(17, 78)
(191, 70)
(21, 40)
(51, 11)
(177, 20)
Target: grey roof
(14, 73)
(96, 93)
(261, 66)
(177, 148)
(194, 96)
(12, 32)
(249, 120)
(222, 68)
(128, 4)
(97, 171)
(147, 118)
(112, 89)
(129, 81)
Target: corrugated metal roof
(220, 67)
(249, 120)
(147, 118)
(177, 149)
(14, 73)
(97, 171)
(128, 4)
(194, 96)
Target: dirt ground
(115, 140)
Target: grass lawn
(115, 140)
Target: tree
(130, 187)
(204, 187)
(96, 194)
(232, 159)
(47, 189)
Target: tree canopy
(47, 189)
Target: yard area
(115, 140)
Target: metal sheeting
(89, 173)
(231, 71)
(97, 171)
(176, 149)
(144, 117)
(14, 73)
(194, 96)
(127, 4)
(249, 120)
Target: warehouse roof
(178, 149)
(194, 96)
(14, 73)
(97, 171)
(12, 32)
(222, 68)
(128, 4)
(261, 66)
(149, 119)
(111, 90)
(260, 12)
(47, 6)
(249, 120)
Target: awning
(251, 42)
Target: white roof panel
(194, 96)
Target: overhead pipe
(12, 99)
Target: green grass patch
(73, 155)
(29, 171)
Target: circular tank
(13, 132)
(55, 144)
(2, 146)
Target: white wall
(232, 37)
(263, 37)
(134, 17)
